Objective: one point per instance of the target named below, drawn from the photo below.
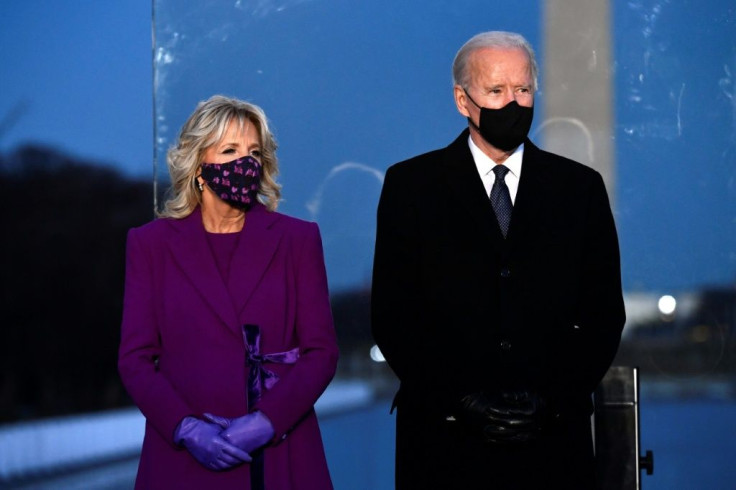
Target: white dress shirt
(485, 166)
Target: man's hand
(503, 418)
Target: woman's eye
(229, 151)
(256, 153)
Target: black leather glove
(503, 418)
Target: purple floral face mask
(234, 182)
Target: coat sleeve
(140, 345)
(600, 309)
(395, 308)
(294, 396)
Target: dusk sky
(76, 75)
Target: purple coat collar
(257, 244)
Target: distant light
(667, 304)
(376, 354)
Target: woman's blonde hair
(205, 127)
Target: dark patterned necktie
(501, 199)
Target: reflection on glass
(353, 87)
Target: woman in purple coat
(227, 335)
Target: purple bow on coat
(259, 377)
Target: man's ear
(461, 100)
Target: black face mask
(504, 128)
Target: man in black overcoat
(496, 292)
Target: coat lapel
(533, 195)
(256, 248)
(193, 255)
(466, 187)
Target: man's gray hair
(491, 39)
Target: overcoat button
(505, 272)
(505, 345)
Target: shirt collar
(485, 164)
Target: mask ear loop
(477, 128)
(471, 99)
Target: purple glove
(248, 432)
(203, 441)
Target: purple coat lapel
(256, 248)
